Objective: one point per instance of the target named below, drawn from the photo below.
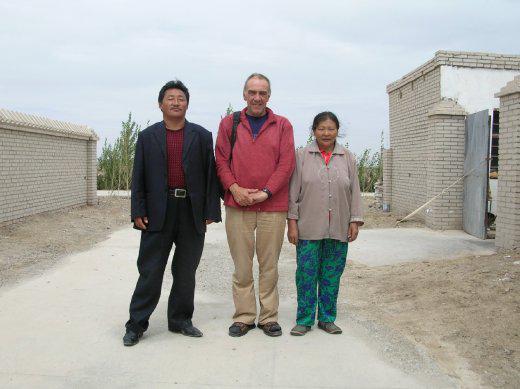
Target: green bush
(116, 161)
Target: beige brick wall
(91, 176)
(508, 207)
(43, 170)
(445, 165)
(387, 179)
(409, 137)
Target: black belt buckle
(181, 193)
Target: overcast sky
(92, 62)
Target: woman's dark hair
(324, 116)
(175, 84)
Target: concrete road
(388, 246)
(65, 328)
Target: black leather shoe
(240, 329)
(187, 329)
(131, 338)
(271, 329)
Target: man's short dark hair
(175, 84)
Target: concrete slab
(64, 329)
(116, 193)
(379, 247)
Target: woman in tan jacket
(325, 212)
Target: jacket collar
(160, 135)
(338, 149)
(189, 135)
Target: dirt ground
(375, 218)
(34, 244)
(464, 312)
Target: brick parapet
(18, 121)
(459, 59)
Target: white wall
(474, 88)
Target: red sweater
(174, 140)
(265, 162)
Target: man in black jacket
(175, 195)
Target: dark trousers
(154, 251)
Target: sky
(93, 62)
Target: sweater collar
(270, 115)
(338, 149)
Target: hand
(259, 196)
(141, 222)
(292, 231)
(208, 222)
(242, 195)
(353, 230)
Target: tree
(116, 161)
(229, 111)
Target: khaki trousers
(240, 229)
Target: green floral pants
(320, 264)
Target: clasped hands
(245, 196)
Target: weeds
(370, 169)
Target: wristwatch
(267, 192)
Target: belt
(178, 192)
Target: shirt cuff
(357, 220)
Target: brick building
(44, 165)
(427, 109)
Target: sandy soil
(30, 246)
(465, 313)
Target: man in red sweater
(255, 175)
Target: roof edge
(466, 59)
(33, 123)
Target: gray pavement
(64, 328)
(388, 246)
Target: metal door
(476, 168)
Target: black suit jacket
(150, 176)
